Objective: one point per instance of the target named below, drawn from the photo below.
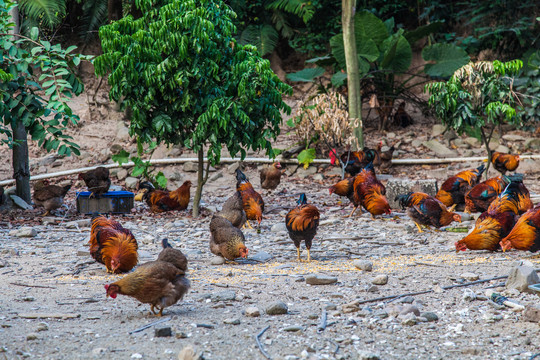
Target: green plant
(528, 85)
(187, 81)
(480, 96)
(37, 82)
(141, 167)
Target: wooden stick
(206, 326)
(257, 339)
(150, 325)
(36, 286)
(322, 324)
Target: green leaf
(34, 33)
(161, 180)
(423, 31)
(306, 157)
(306, 75)
(121, 158)
(446, 58)
(338, 79)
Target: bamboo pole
(255, 161)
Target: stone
(116, 149)
(350, 307)
(320, 279)
(252, 311)
(293, 328)
(136, 356)
(231, 169)
(470, 276)
(216, 176)
(31, 336)
(42, 326)
(416, 143)
(430, 316)
(366, 355)
(439, 149)
(409, 319)
(410, 309)
(99, 351)
(122, 133)
(232, 321)
(191, 167)
(407, 300)
(502, 148)
(380, 280)
(513, 137)
(163, 331)
(532, 143)
(217, 260)
(532, 314)
(400, 186)
(521, 277)
(227, 295)
(122, 174)
(303, 173)
(450, 135)
(437, 130)
(280, 226)
(131, 182)
(261, 256)
(474, 142)
(364, 265)
(318, 177)
(21, 203)
(24, 231)
(188, 353)
(79, 223)
(277, 308)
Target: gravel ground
(53, 304)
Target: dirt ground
(53, 304)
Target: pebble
(188, 353)
(380, 280)
(261, 256)
(131, 182)
(410, 309)
(227, 295)
(83, 252)
(366, 355)
(24, 231)
(32, 336)
(407, 300)
(42, 326)
(21, 203)
(330, 306)
(364, 265)
(136, 356)
(276, 228)
(99, 351)
(277, 308)
(430, 316)
(470, 276)
(217, 260)
(409, 319)
(293, 328)
(165, 331)
(232, 321)
(252, 311)
(320, 279)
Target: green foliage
(306, 75)
(38, 80)
(447, 57)
(528, 84)
(306, 157)
(141, 167)
(46, 13)
(479, 95)
(95, 14)
(264, 37)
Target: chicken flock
(508, 220)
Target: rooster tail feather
(481, 169)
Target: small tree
(479, 96)
(32, 103)
(187, 81)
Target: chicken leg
(152, 307)
(419, 228)
(308, 256)
(248, 225)
(352, 212)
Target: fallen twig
(150, 325)
(36, 286)
(206, 326)
(322, 324)
(425, 264)
(337, 346)
(257, 339)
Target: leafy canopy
(188, 82)
(39, 100)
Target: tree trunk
(200, 183)
(353, 74)
(21, 168)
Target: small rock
(122, 174)
(532, 314)
(99, 351)
(231, 169)
(532, 143)
(409, 320)
(181, 335)
(471, 351)
(318, 177)
(122, 134)
(24, 231)
(188, 353)
(216, 176)
(83, 252)
(472, 141)
(232, 321)
(470, 276)
(163, 331)
(513, 137)
(330, 306)
(437, 130)
(136, 356)
(21, 203)
(261, 256)
(439, 149)
(217, 260)
(521, 277)
(350, 307)
(280, 226)
(410, 309)
(366, 355)
(320, 279)
(191, 166)
(42, 326)
(407, 300)
(380, 280)
(131, 182)
(79, 223)
(227, 295)
(29, 298)
(365, 265)
(293, 328)
(252, 311)
(277, 308)
(503, 149)
(32, 336)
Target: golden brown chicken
(519, 193)
(353, 161)
(233, 210)
(161, 283)
(370, 192)
(453, 190)
(112, 245)
(302, 223)
(345, 188)
(161, 200)
(271, 176)
(97, 180)
(426, 210)
(493, 225)
(504, 162)
(51, 197)
(226, 240)
(252, 201)
(481, 195)
(526, 233)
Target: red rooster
(481, 195)
(504, 162)
(426, 210)
(112, 245)
(519, 193)
(161, 200)
(453, 190)
(354, 161)
(370, 192)
(302, 223)
(526, 233)
(252, 200)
